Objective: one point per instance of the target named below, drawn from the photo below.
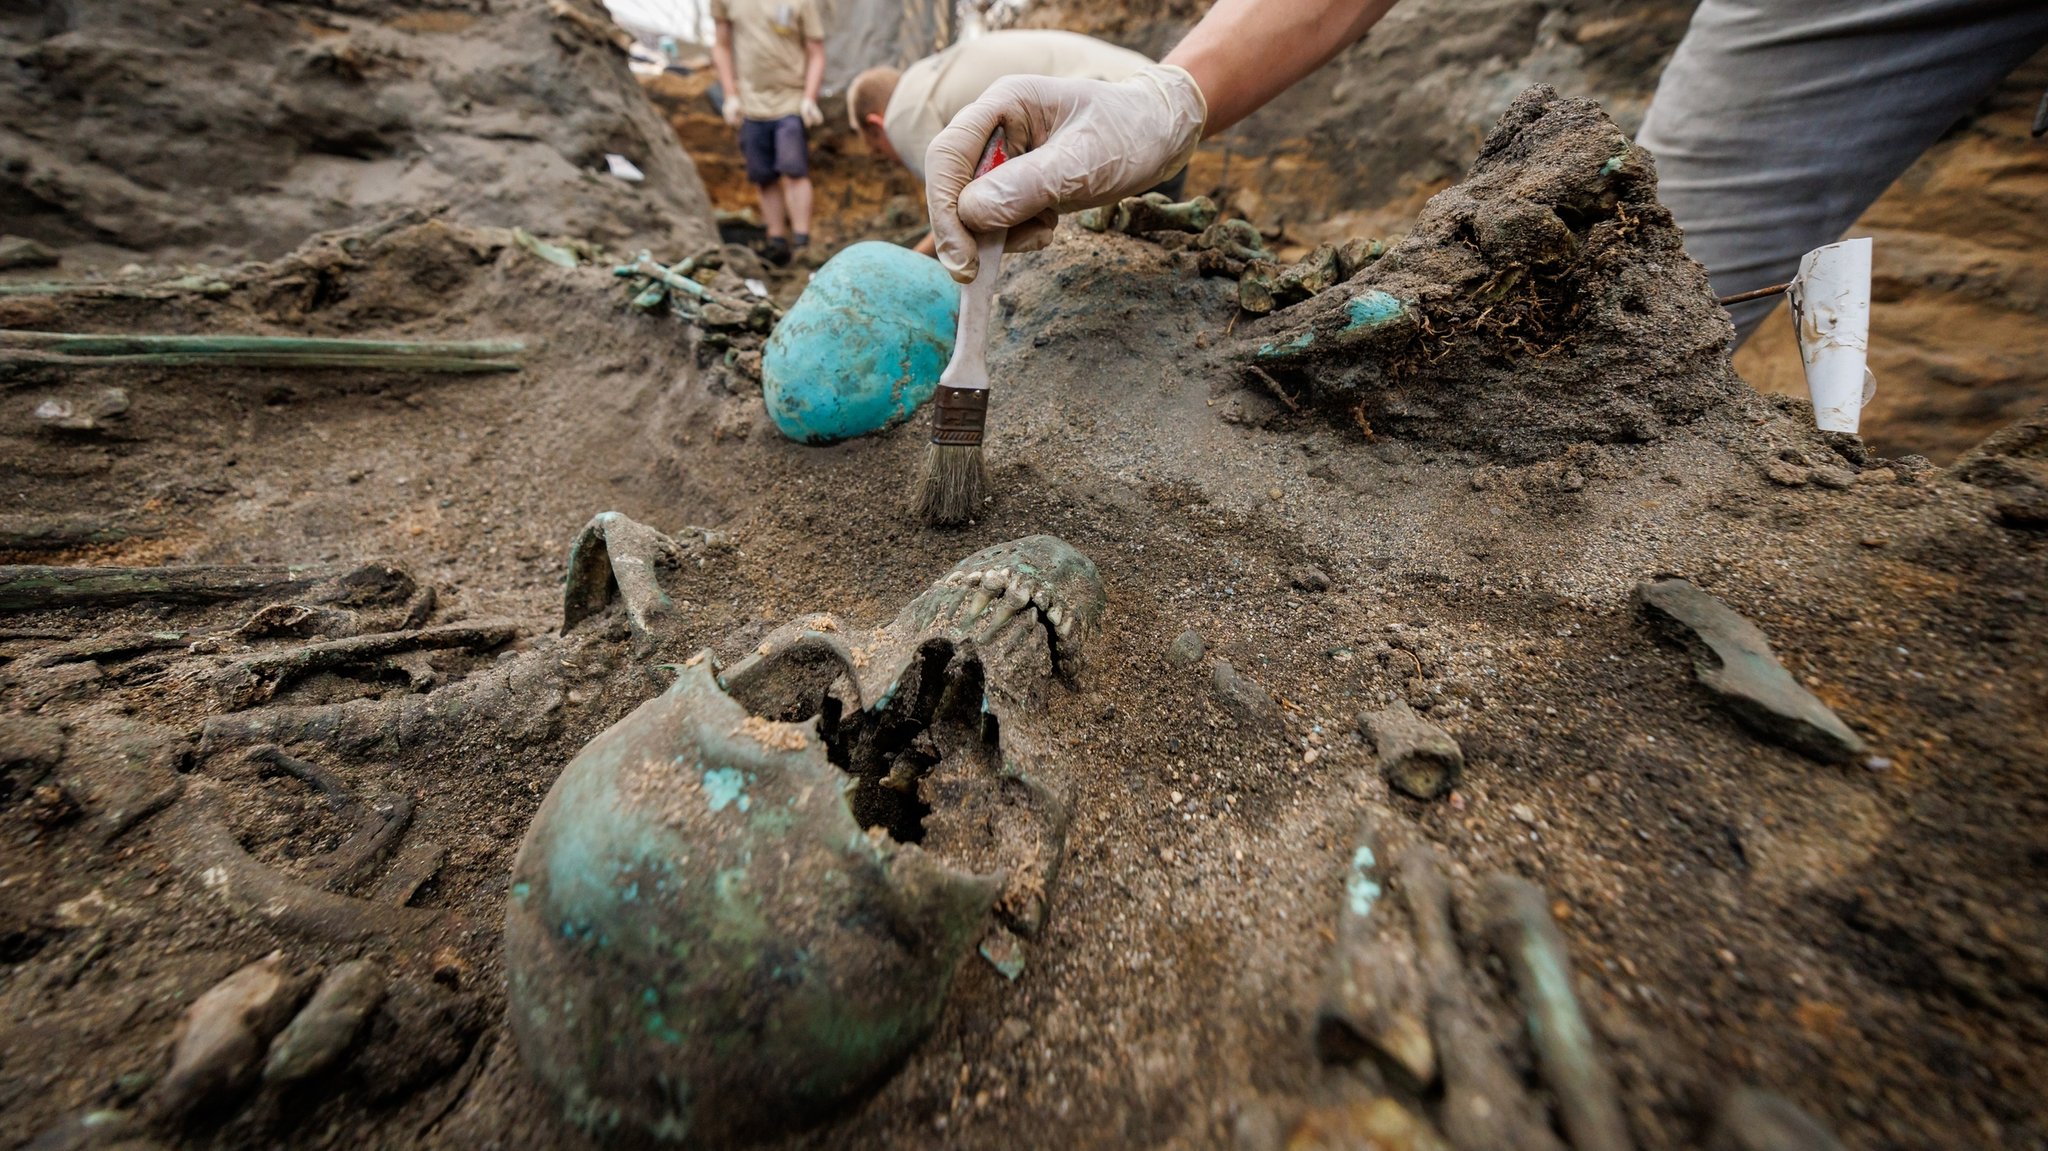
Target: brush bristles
(953, 484)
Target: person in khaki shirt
(898, 113)
(770, 56)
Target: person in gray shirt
(1776, 123)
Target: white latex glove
(811, 113)
(1074, 144)
(734, 111)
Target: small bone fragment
(1354, 254)
(323, 1030)
(1255, 289)
(1153, 212)
(1375, 1001)
(1314, 273)
(1419, 758)
(223, 1034)
(1519, 924)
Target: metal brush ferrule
(958, 416)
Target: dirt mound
(1546, 301)
(1355, 149)
(235, 130)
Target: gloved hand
(1083, 143)
(733, 111)
(811, 113)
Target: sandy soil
(1865, 939)
(1869, 940)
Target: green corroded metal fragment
(1293, 347)
(1369, 309)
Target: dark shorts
(774, 148)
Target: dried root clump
(1545, 301)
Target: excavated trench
(1736, 913)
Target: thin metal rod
(1754, 294)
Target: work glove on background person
(811, 113)
(1073, 144)
(733, 111)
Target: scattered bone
(1756, 1120)
(1519, 924)
(91, 415)
(223, 1035)
(322, 1031)
(615, 557)
(416, 864)
(209, 853)
(250, 681)
(376, 827)
(1419, 758)
(1485, 1107)
(1375, 1000)
(1733, 659)
(112, 646)
(28, 587)
(1151, 212)
(298, 620)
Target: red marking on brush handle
(994, 154)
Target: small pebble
(1878, 763)
(1523, 812)
(1309, 577)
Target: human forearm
(721, 61)
(1245, 52)
(814, 68)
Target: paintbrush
(954, 481)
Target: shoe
(777, 252)
(801, 241)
